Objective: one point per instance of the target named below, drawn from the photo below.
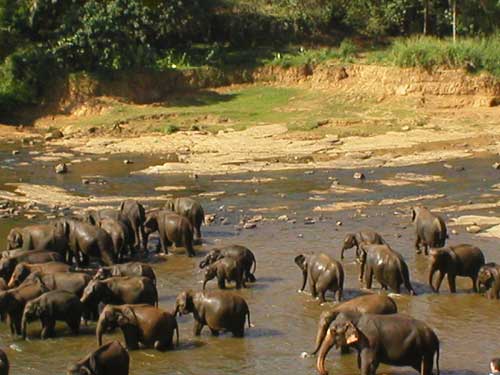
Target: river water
(467, 324)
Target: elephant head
(103, 273)
(184, 303)
(414, 213)
(14, 239)
(114, 316)
(349, 241)
(94, 292)
(211, 257)
(88, 366)
(151, 222)
(32, 311)
(21, 272)
(339, 335)
(210, 274)
(443, 260)
(326, 318)
(486, 276)
(301, 261)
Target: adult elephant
(241, 254)
(371, 303)
(120, 290)
(489, 278)
(140, 324)
(95, 216)
(13, 301)
(38, 237)
(216, 309)
(57, 305)
(430, 229)
(173, 229)
(118, 233)
(225, 269)
(73, 282)
(23, 270)
(366, 236)
(4, 363)
(191, 210)
(126, 269)
(86, 240)
(387, 265)
(459, 260)
(396, 340)
(323, 272)
(135, 214)
(8, 264)
(111, 358)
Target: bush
(171, 129)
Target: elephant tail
(254, 264)
(437, 359)
(250, 325)
(177, 334)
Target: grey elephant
(323, 273)
(459, 260)
(57, 305)
(135, 213)
(23, 270)
(118, 233)
(225, 269)
(243, 255)
(191, 210)
(355, 239)
(37, 237)
(489, 278)
(110, 358)
(430, 229)
(8, 264)
(126, 269)
(144, 325)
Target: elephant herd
(87, 268)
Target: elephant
(141, 324)
(355, 239)
(459, 260)
(324, 274)
(117, 232)
(191, 210)
(57, 305)
(4, 363)
(74, 282)
(371, 303)
(119, 290)
(241, 254)
(7, 265)
(95, 216)
(219, 310)
(430, 229)
(387, 265)
(22, 271)
(86, 240)
(173, 228)
(135, 213)
(110, 358)
(489, 277)
(37, 237)
(126, 269)
(396, 340)
(12, 303)
(225, 269)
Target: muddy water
(285, 321)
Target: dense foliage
(41, 39)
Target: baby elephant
(23, 270)
(111, 358)
(489, 277)
(460, 260)
(324, 274)
(356, 239)
(225, 269)
(430, 229)
(51, 307)
(140, 324)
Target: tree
(426, 16)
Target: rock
(283, 218)
(15, 152)
(210, 218)
(448, 166)
(56, 134)
(358, 176)
(29, 216)
(473, 229)
(255, 219)
(91, 130)
(249, 225)
(225, 221)
(309, 221)
(338, 223)
(405, 128)
(61, 168)
(460, 168)
(300, 235)
(309, 172)
(292, 221)
(359, 155)
(322, 122)
(496, 166)
(221, 208)
(126, 161)
(454, 231)
(85, 181)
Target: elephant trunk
(205, 283)
(325, 348)
(431, 276)
(101, 327)
(203, 264)
(320, 336)
(176, 311)
(24, 324)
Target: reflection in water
(285, 321)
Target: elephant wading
(8, 264)
(225, 269)
(191, 210)
(117, 231)
(120, 290)
(430, 229)
(140, 324)
(135, 214)
(173, 229)
(489, 277)
(111, 358)
(388, 267)
(324, 274)
(369, 237)
(73, 282)
(220, 311)
(241, 254)
(460, 260)
(126, 269)
(396, 340)
(23, 270)
(38, 237)
(50, 307)
(371, 303)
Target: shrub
(171, 129)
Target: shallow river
(285, 322)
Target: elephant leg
(163, 242)
(451, 283)
(314, 292)
(368, 363)
(474, 283)
(48, 329)
(221, 282)
(361, 270)
(426, 365)
(426, 249)
(197, 328)
(369, 278)
(439, 280)
(214, 332)
(74, 325)
(158, 345)
(338, 294)
(322, 292)
(240, 332)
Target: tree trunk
(454, 12)
(426, 17)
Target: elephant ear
(351, 333)
(300, 260)
(413, 214)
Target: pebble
(496, 166)
(126, 161)
(292, 221)
(283, 218)
(225, 221)
(359, 176)
(61, 168)
(309, 220)
(15, 152)
(338, 223)
(249, 225)
(448, 166)
(300, 235)
(454, 231)
(405, 128)
(309, 172)
(473, 229)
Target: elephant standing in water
(191, 210)
(430, 229)
(38, 237)
(111, 358)
(489, 277)
(241, 254)
(396, 340)
(367, 236)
